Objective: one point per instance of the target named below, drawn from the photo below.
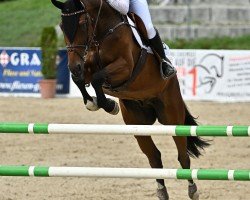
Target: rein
(96, 21)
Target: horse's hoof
(92, 105)
(162, 194)
(116, 109)
(192, 192)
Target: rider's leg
(140, 7)
(167, 69)
(120, 6)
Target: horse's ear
(58, 4)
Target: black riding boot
(167, 69)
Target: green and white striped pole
(144, 130)
(142, 173)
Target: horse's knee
(107, 104)
(98, 79)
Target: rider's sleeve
(121, 6)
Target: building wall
(201, 18)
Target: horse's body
(108, 63)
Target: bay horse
(102, 52)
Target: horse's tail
(194, 144)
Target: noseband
(73, 13)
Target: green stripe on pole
(240, 131)
(41, 129)
(14, 170)
(242, 175)
(205, 174)
(211, 130)
(184, 174)
(14, 128)
(183, 130)
(41, 171)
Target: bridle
(94, 43)
(91, 38)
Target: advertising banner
(217, 75)
(20, 70)
(209, 75)
(214, 75)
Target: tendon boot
(166, 68)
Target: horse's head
(76, 26)
(85, 23)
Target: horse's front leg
(90, 102)
(116, 73)
(107, 104)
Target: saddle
(138, 29)
(141, 36)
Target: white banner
(216, 75)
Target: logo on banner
(20, 71)
(198, 73)
(4, 58)
(19, 59)
(209, 70)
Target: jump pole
(143, 130)
(141, 173)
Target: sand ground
(113, 151)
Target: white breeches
(121, 6)
(140, 8)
